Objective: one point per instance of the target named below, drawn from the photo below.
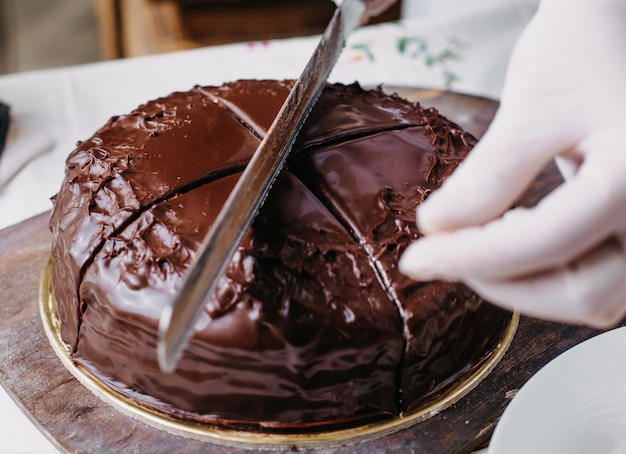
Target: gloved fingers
(538, 119)
(375, 8)
(591, 290)
(570, 221)
(494, 174)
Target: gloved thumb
(495, 173)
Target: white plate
(574, 404)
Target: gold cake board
(76, 420)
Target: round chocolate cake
(313, 326)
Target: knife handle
(5, 119)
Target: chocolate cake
(313, 327)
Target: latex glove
(373, 8)
(565, 97)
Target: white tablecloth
(464, 49)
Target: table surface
(76, 420)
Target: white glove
(565, 98)
(373, 8)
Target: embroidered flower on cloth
(407, 50)
(394, 52)
(419, 47)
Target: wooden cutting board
(75, 420)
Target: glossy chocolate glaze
(284, 333)
(313, 325)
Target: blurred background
(36, 34)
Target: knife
(178, 319)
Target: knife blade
(178, 319)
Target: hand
(565, 98)
(373, 8)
